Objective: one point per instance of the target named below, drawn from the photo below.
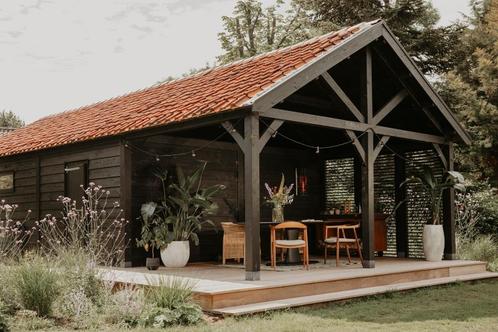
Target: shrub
(124, 307)
(184, 314)
(481, 248)
(36, 285)
(94, 226)
(171, 303)
(14, 234)
(3, 319)
(27, 320)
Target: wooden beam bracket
(234, 133)
(379, 146)
(357, 144)
(272, 129)
(441, 155)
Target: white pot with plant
(181, 214)
(433, 234)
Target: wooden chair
(234, 241)
(335, 237)
(289, 244)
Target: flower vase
(277, 214)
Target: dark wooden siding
(223, 167)
(103, 169)
(25, 187)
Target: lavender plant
(14, 234)
(95, 227)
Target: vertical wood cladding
(223, 161)
(39, 177)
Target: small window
(7, 182)
(75, 176)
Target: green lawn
(460, 307)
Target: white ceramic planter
(433, 238)
(176, 254)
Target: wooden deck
(223, 289)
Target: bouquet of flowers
(279, 197)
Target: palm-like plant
(435, 187)
(183, 210)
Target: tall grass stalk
(36, 285)
(170, 293)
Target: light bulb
(317, 150)
(193, 153)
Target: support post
(401, 212)
(367, 169)
(126, 199)
(449, 224)
(251, 196)
(367, 206)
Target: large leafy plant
(434, 187)
(183, 210)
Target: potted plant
(278, 198)
(180, 215)
(433, 235)
(148, 238)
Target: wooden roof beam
(389, 106)
(342, 95)
(324, 121)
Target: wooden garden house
(348, 109)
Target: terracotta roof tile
(215, 90)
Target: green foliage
(253, 29)
(124, 307)
(435, 187)
(183, 210)
(28, 320)
(183, 314)
(10, 120)
(477, 210)
(36, 285)
(471, 90)
(171, 303)
(3, 319)
(433, 47)
(482, 248)
(170, 293)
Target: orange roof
(216, 90)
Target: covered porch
(354, 123)
(222, 290)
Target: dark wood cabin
(348, 110)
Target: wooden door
(75, 175)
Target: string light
(317, 150)
(193, 153)
(158, 159)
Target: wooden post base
(253, 276)
(368, 264)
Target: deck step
(349, 294)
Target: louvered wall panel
(339, 182)
(417, 201)
(339, 187)
(384, 189)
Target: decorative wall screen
(417, 202)
(339, 187)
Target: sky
(57, 55)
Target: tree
(434, 48)
(9, 119)
(253, 29)
(471, 90)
